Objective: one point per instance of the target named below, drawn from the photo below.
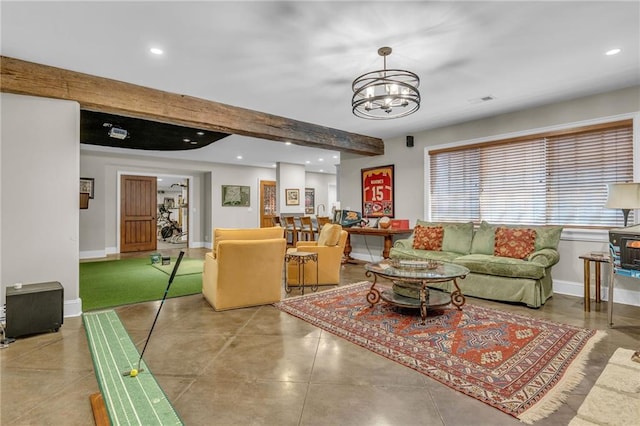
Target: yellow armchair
(330, 249)
(244, 268)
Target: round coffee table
(411, 281)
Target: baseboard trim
(72, 308)
(93, 254)
(620, 295)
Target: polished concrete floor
(260, 366)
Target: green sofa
(492, 277)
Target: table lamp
(625, 196)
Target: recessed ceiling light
(320, 159)
(186, 140)
(613, 51)
(321, 170)
(335, 156)
(159, 179)
(194, 143)
(287, 143)
(239, 157)
(307, 162)
(156, 51)
(200, 133)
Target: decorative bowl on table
(414, 264)
(384, 222)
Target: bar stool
(306, 229)
(291, 230)
(322, 220)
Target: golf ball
(134, 372)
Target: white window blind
(554, 178)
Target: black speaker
(34, 308)
(409, 141)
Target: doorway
(137, 213)
(173, 212)
(178, 189)
(268, 209)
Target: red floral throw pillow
(517, 243)
(428, 237)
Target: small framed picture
(309, 200)
(86, 186)
(292, 197)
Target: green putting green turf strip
(112, 283)
(129, 400)
(187, 267)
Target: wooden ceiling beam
(116, 97)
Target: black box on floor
(166, 260)
(34, 308)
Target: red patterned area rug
(517, 364)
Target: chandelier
(385, 94)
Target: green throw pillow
(547, 237)
(484, 239)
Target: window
(554, 178)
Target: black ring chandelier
(385, 94)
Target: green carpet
(187, 267)
(120, 282)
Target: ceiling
(298, 59)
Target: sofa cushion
(457, 236)
(329, 235)
(501, 266)
(484, 239)
(517, 243)
(547, 237)
(428, 237)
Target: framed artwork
(377, 191)
(86, 186)
(309, 200)
(236, 196)
(292, 197)
(169, 202)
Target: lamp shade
(623, 196)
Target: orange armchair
(330, 249)
(244, 268)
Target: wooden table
(387, 234)
(598, 259)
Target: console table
(387, 234)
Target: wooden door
(268, 208)
(138, 206)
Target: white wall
(410, 179)
(231, 216)
(320, 183)
(40, 145)
(99, 229)
(290, 176)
